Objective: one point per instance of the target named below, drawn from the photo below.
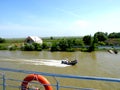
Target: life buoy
(36, 77)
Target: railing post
(4, 82)
(57, 85)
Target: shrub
(2, 40)
(13, 47)
(37, 47)
(54, 47)
(64, 45)
(32, 47)
(28, 47)
(3, 47)
(45, 46)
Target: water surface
(100, 63)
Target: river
(99, 63)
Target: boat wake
(47, 62)
(56, 63)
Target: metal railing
(57, 86)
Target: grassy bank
(16, 43)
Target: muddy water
(100, 63)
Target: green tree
(70, 42)
(114, 35)
(87, 39)
(100, 36)
(2, 40)
(28, 47)
(3, 47)
(54, 47)
(93, 44)
(78, 42)
(95, 39)
(37, 46)
(45, 45)
(51, 38)
(63, 44)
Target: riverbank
(69, 44)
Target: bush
(54, 47)
(64, 44)
(70, 50)
(37, 47)
(45, 46)
(13, 47)
(3, 47)
(101, 43)
(32, 47)
(2, 40)
(28, 47)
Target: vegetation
(86, 43)
(114, 35)
(2, 40)
(100, 36)
(32, 47)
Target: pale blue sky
(45, 18)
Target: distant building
(33, 39)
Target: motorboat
(69, 62)
(113, 51)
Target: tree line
(85, 43)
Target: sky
(46, 18)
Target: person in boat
(75, 61)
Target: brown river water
(99, 63)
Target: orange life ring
(38, 78)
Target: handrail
(64, 76)
(61, 76)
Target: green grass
(15, 40)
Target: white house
(33, 39)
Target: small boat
(113, 51)
(69, 62)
